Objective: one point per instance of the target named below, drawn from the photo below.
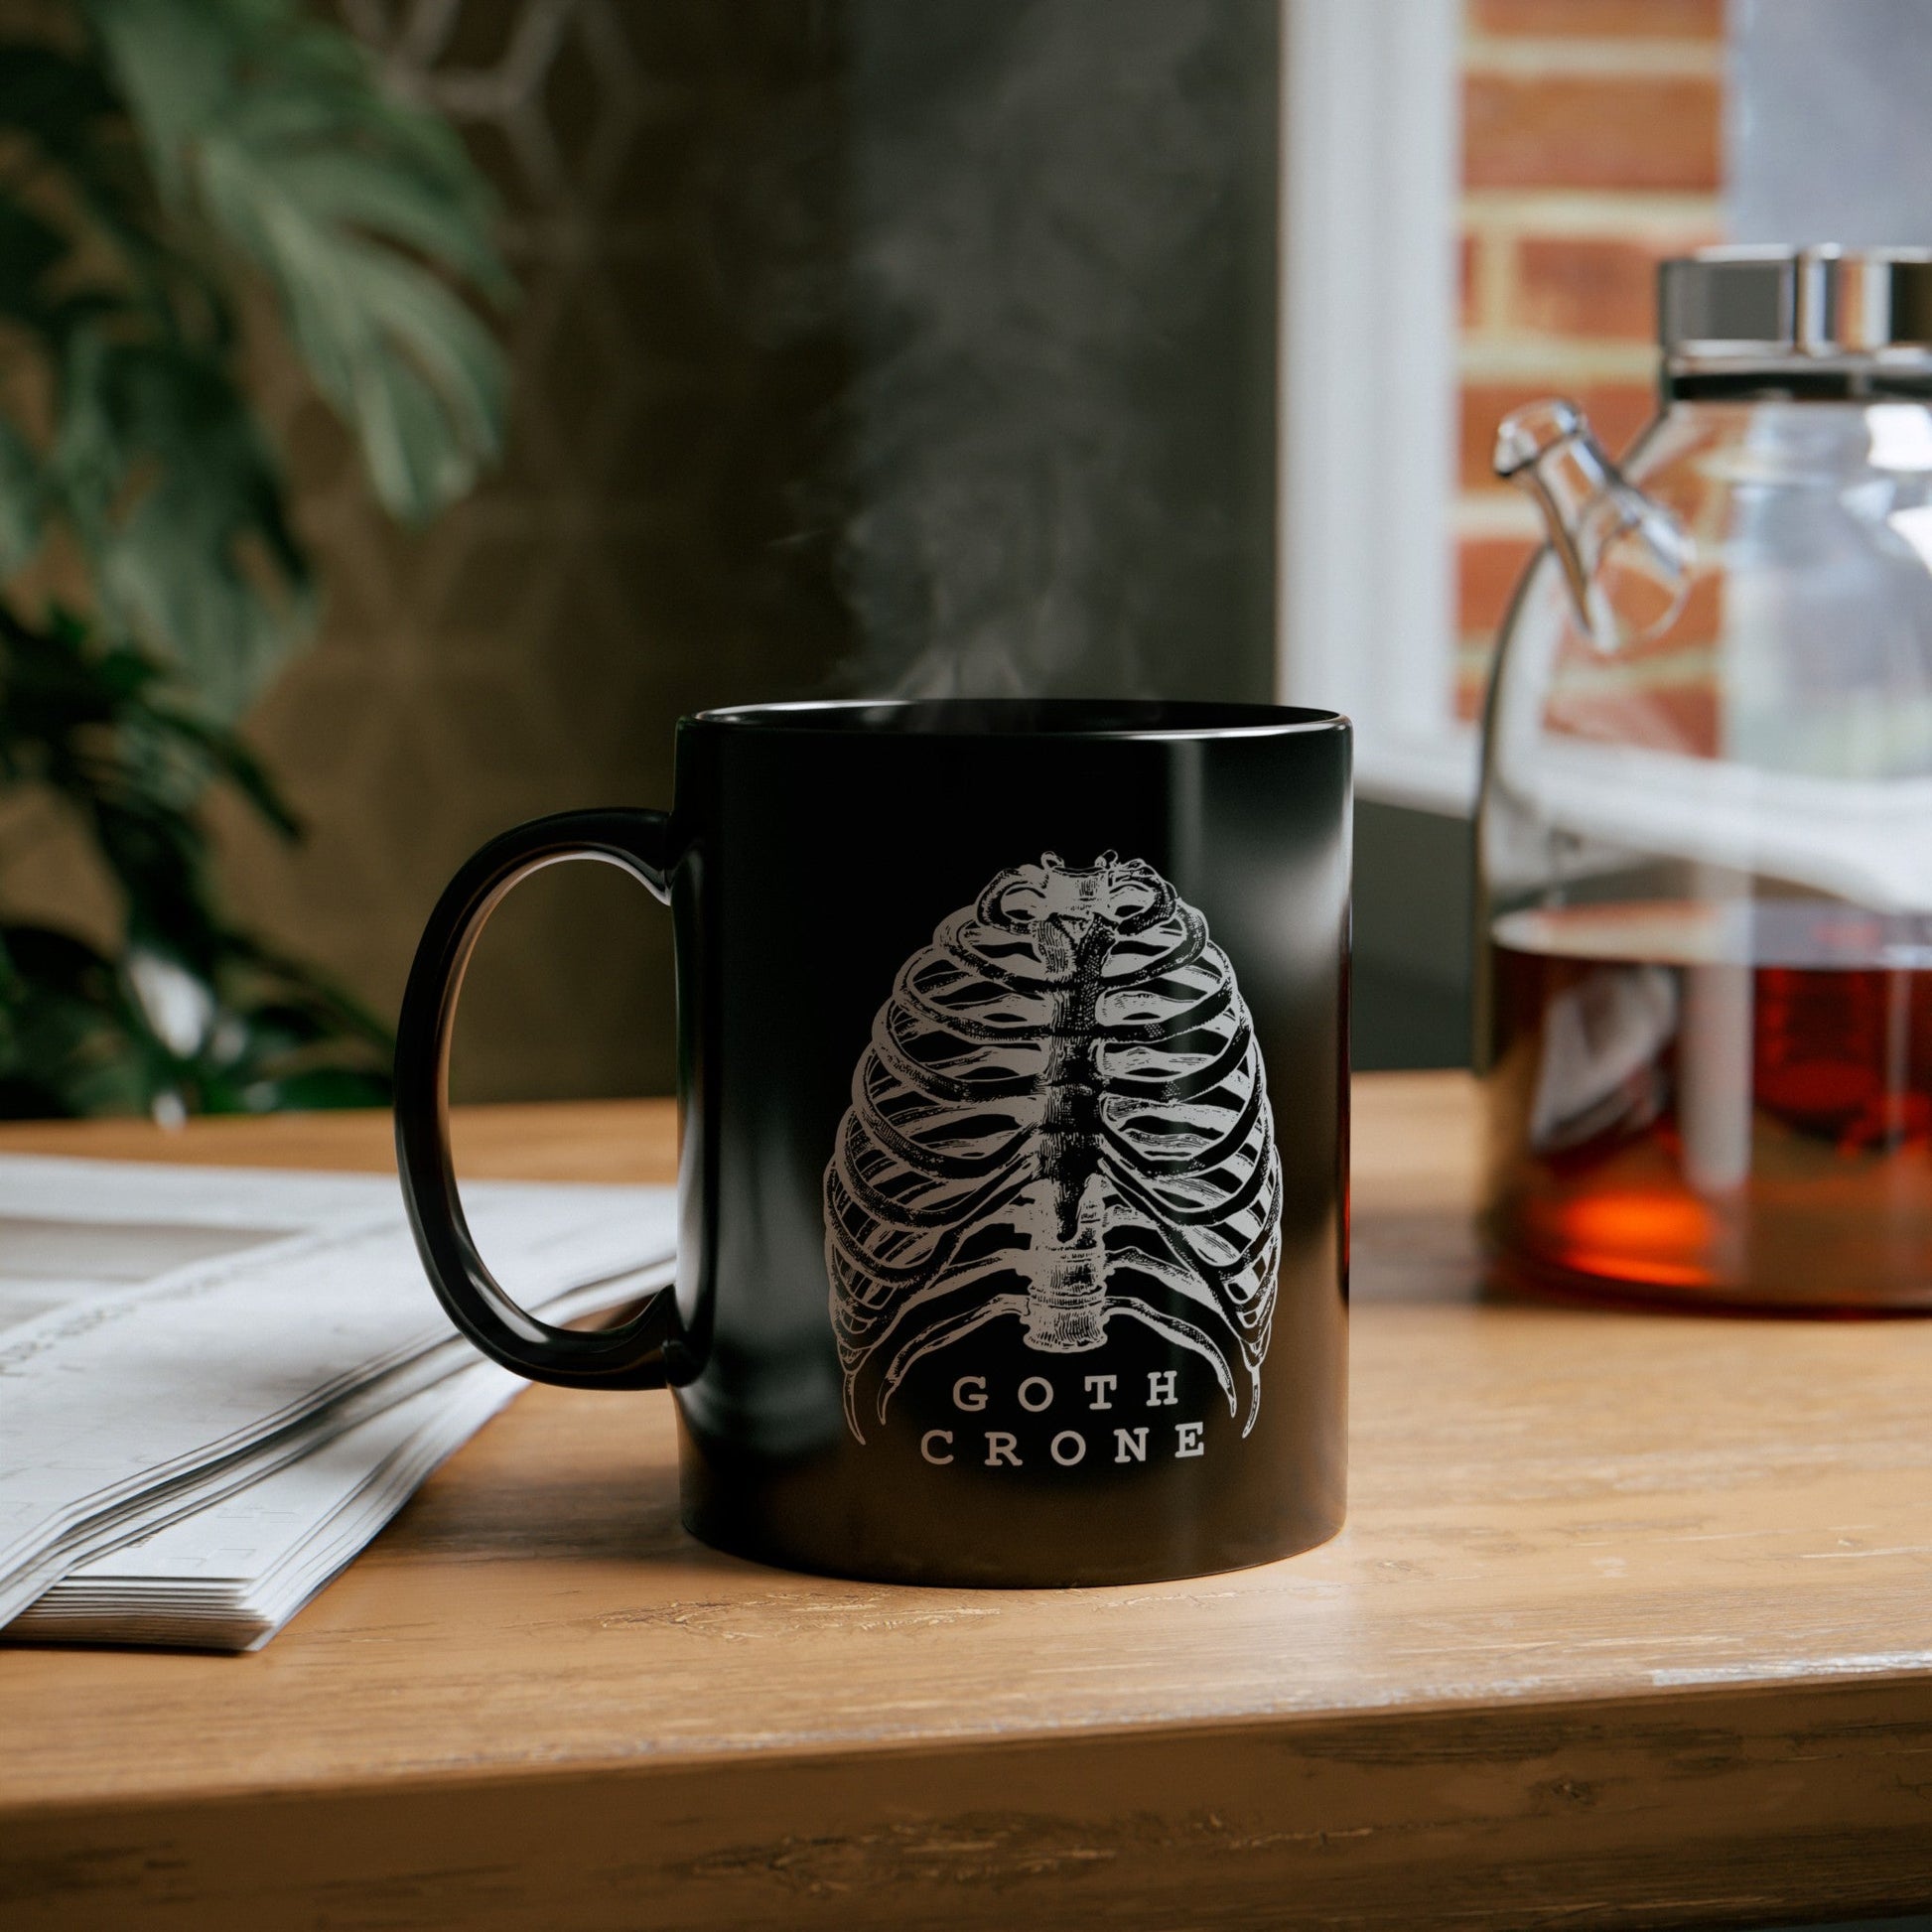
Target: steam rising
(1061, 431)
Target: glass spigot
(1625, 558)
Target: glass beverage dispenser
(1706, 827)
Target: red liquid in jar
(1716, 1103)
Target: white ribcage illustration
(1061, 1118)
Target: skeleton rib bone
(1061, 1117)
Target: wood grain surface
(1631, 1624)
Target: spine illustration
(1060, 1118)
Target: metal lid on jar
(1825, 314)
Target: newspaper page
(228, 1576)
(170, 1335)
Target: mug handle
(628, 1357)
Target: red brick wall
(1591, 147)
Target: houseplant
(163, 165)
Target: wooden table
(1631, 1624)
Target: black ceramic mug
(1013, 1070)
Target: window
(1545, 154)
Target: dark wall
(671, 179)
(1061, 279)
(1414, 880)
(865, 345)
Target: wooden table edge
(1494, 1816)
(1284, 1730)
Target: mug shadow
(614, 1515)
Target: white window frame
(1371, 188)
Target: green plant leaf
(179, 502)
(145, 159)
(228, 757)
(53, 98)
(65, 1047)
(29, 248)
(321, 1086)
(419, 376)
(65, 109)
(172, 66)
(351, 202)
(20, 500)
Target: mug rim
(1024, 717)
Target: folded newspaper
(217, 1384)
